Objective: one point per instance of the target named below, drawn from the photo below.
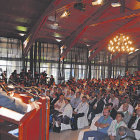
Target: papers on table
(14, 132)
(10, 114)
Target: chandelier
(121, 44)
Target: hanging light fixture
(97, 2)
(55, 22)
(121, 43)
(115, 3)
(65, 14)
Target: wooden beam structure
(71, 40)
(54, 5)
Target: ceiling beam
(71, 40)
(136, 29)
(54, 5)
(115, 18)
(43, 30)
(109, 19)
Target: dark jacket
(132, 121)
(128, 133)
(113, 113)
(10, 103)
(100, 106)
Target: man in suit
(97, 107)
(113, 111)
(123, 132)
(134, 123)
(13, 104)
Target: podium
(33, 125)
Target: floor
(64, 135)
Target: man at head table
(13, 104)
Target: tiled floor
(64, 135)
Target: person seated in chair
(97, 107)
(126, 113)
(80, 111)
(123, 132)
(76, 101)
(113, 111)
(102, 125)
(134, 123)
(114, 125)
(64, 116)
(130, 107)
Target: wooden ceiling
(94, 27)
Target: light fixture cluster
(116, 3)
(97, 2)
(65, 14)
(121, 43)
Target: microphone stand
(36, 97)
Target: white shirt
(115, 101)
(67, 110)
(61, 104)
(82, 108)
(130, 109)
(113, 127)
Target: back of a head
(122, 130)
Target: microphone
(35, 96)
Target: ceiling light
(58, 40)
(115, 3)
(97, 2)
(136, 50)
(121, 44)
(130, 52)
(65, 14)
(21, 28)
(21, 34)
(55, 24)
(57, 35)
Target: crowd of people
(111, 106)
(75, 104)
(28, 79)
